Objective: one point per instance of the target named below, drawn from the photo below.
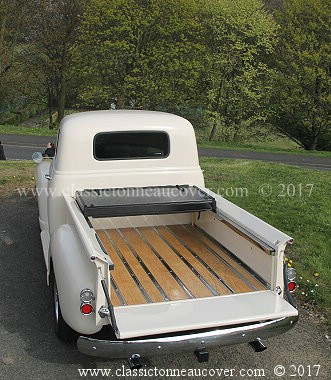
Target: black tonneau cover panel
(143, 201)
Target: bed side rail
(267, 236)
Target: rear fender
(73, 273)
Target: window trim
(131, 158)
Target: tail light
(86, 308)
(292, 286)
(86, 298)
(86, 295)
(291, 276)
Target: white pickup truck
(136, 246)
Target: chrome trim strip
(213, 291)
(187, 342)
(129, 269)
(222, 259)
(117, 291)
(264, 246)
(200, 259)
(162, 260)
(149, 274)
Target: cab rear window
(131, 145)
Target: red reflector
(291, 286)
(86, 308)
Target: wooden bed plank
(164, 278)
(113, 297)
(209, 277)
(230, 277)
(146, 282)
(191, 281)
(148, 243)
(126, 284)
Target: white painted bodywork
(42, 187)
(202, 313)
(71, 246)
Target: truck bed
(172, 262)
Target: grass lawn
(15, 174)
(299, 205)
(276, 143)
(271, 146)
(33, 131)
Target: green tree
(140, 53)
(302, 100)
(47, 53)
(12, 21)
(241, 36)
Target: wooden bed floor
(167, 263)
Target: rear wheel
(62, 330)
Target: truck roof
(121, 119)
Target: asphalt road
(308, 162)
(22, 147)
(30, 350)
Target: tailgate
(193, 314)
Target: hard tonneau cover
(143, 201)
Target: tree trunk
(63, 84)
(61, 100)
(213, 131)
(216, 109)
(314, 124)
(313, 144)
(50, 111)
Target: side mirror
(37, 157)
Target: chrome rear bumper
(184, 343)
